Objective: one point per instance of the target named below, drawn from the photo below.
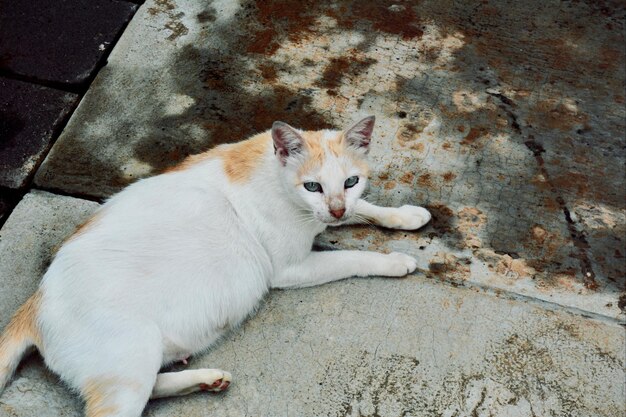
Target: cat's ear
(360, 135)
(287, 141)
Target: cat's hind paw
(214, 380)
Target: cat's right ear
(287, 141)
(360, 134)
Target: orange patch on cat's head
(317, 145)
(314, 151)
(336, 145)
(320, 144)
(313, 144)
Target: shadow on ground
(506, 120)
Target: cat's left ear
(287, 141)
(360, 135)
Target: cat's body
(168, 265)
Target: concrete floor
(506, 119)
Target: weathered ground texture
(50, 51)
(505, 118)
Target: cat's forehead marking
(334, 143)
(313, 144)
(316, 152)
(324, 145)
(319, 143)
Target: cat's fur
(168, 265)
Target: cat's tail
(20, 335)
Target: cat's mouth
(336, 222)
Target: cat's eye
(351, 182)
(314, 187)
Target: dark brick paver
(50, 51)
(59, 41)
(30, 116)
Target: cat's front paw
(398, 265)
(409, 218)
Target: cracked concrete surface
(506, 119)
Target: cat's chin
(335, 222)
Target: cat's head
(326, 170)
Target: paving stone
(61, 41)
(474, 105)
(5, 207)
(8, 200)
(360, 347)
(30, 117)
(37, 225)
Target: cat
(167, 266)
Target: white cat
(168, 265)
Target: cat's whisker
(364, 220)
(305, 217)
(304, 222)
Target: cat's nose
(337, 213)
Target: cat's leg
(322, 267)
(116, 395)
(171, 384)
(405, 217)
(120, 377)
(113, 363)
